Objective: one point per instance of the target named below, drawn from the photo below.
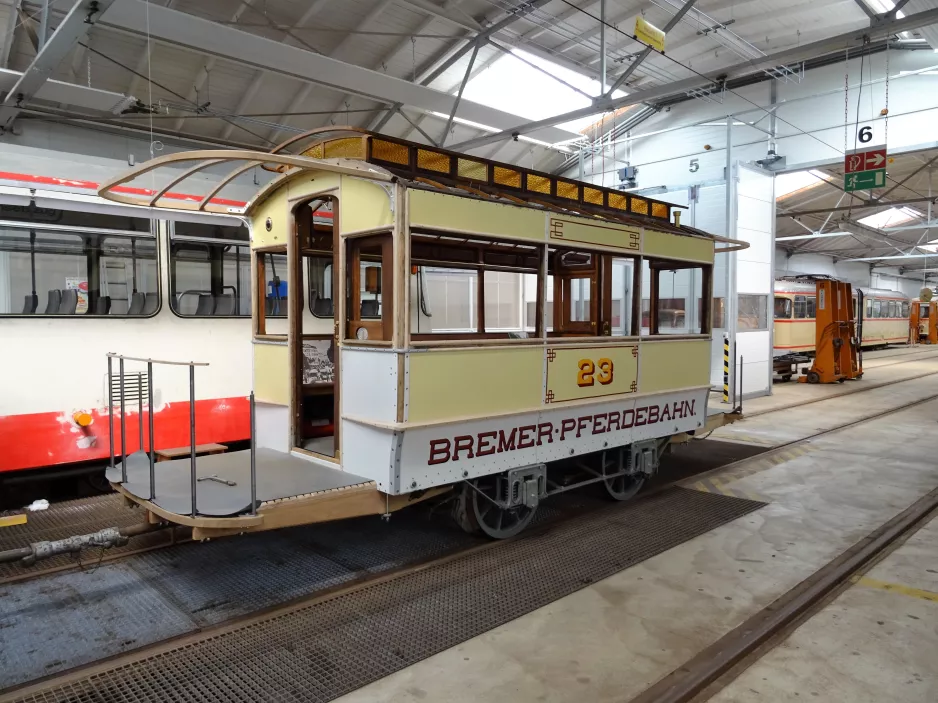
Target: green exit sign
(865, 180)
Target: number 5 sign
(576, 373)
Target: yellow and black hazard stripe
(726, 369)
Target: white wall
(854, 272)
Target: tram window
(923, 310)
(752, 312)
(877, 308)
(869, 307)
(77, 271)
(892, 309)
(210, 271)
(272, 285)
(811, 304)
(369, 308)
(319, 295)
(905, 309)
(473, 287)
(677, 292)
(719, 313)
(623, 282)
(801, 307)
(782, 308)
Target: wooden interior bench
(179, 452)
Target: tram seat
(323, 307)
(55, 299)
(137, 301)
(369, 308)
(224, 304)
(69, 303)
(102, 306)
(151, 303)
(30, 304)
(206, 305)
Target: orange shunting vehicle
(923, 320)
(837, 354)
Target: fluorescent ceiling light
(512, 85)
(891, 217)
(787, 184)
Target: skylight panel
(512, 85)
(787, 184)
(892, 217)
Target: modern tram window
(58, 262)
(782, 308)
(210, 271)
(801, 307)
(753, 312)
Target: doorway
(313, 330)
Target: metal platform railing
(152, 444)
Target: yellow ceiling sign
(649, 34)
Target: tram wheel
(814, 377)
(477, 511)
(621, 487)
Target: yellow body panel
(665, 365)
(272, 373)
(577, 373)
(576, 230)
(673, 246)
(369, 206)
(451, 212)
(276, 207)
(474, 383)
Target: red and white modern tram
(80, 277)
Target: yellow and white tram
(401, 370)
(885, 317)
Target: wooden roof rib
(354, 151)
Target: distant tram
(399, 371)
(885, 317)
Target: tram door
(314, 343)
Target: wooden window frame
(260, 291)
(655, 267)
(353, 320)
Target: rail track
(101, 677)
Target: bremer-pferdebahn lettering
(483, 444)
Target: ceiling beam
(790, 55)
(864, 205)
(480, 38)
(637, 61)
(201, 35)
(70, 31)
(64, 93)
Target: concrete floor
(877, 642)
(612, 639)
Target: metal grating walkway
(324, 649)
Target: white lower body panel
(424, 457)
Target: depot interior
(743, 114)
